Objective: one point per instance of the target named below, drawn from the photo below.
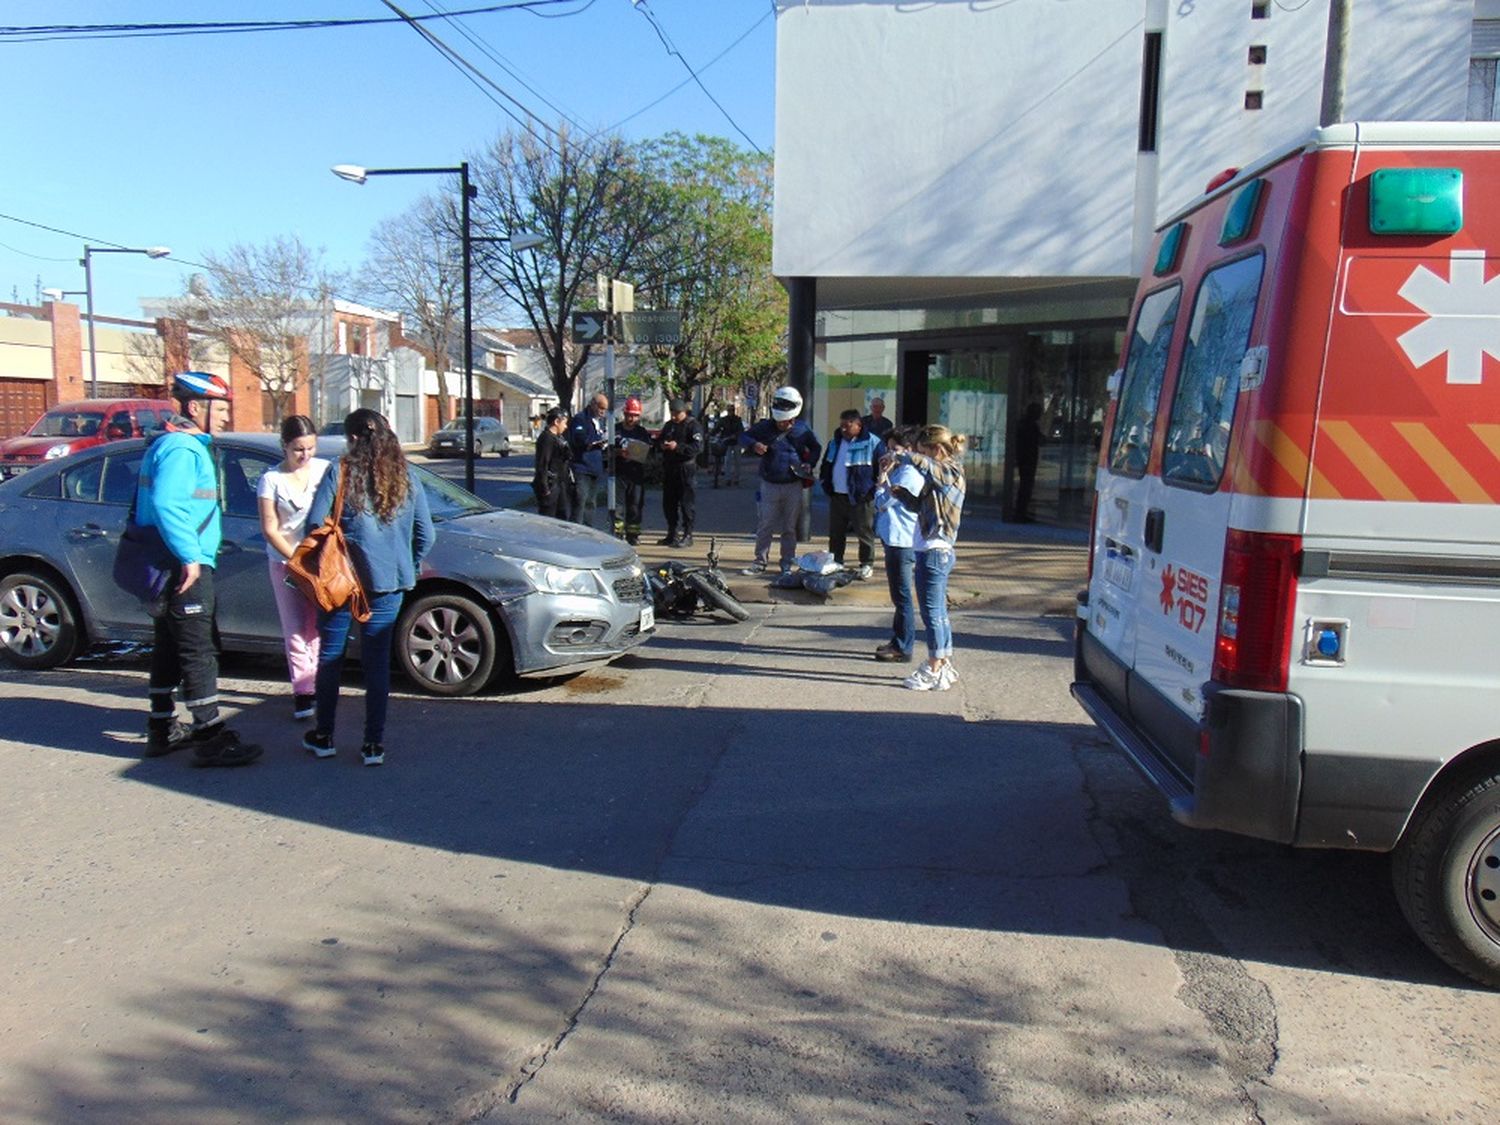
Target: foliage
(415, 265)
(261, 303)
(712, 260)
(595, 209)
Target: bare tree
(266, 305)
(590, 199)
(415, 265)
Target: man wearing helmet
(178, 494)
(633, 442)
(788, 450)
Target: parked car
(332, 429)
(502, 591)
(490, 436)
(74, 426)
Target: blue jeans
(374, 659)
(899, 562)
(932, 570)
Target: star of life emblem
(1463, 317)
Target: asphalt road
(738, 876)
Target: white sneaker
(754, 569)
(925, 679)
(866, 571)
(947, 676)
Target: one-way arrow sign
(588, 327)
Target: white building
(964, 191)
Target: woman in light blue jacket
(389, 530)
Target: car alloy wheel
(447, 644)
(38, 628)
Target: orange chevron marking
(1291, 457)
(1489, 434)
(1385, 482)
(1441, 461)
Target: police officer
(680, 442)
(178, 494)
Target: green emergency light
(1240, 217)
(1170, 249)
(1416, 201)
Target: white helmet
(786, 403)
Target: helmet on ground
(199, 384)
(786, 403)
(632, 405)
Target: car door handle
(1156, 527)
(88, 531)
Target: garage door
(22, 402)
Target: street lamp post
(88, 295)
(356, 174)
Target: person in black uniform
(550, 481)
(1028, 452)
(680, 442)
(631, 472)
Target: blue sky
(196, 142)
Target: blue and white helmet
(199, 384)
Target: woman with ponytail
(938, 459)
(388, 530)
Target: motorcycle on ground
(678, 589)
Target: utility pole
(1335, 62)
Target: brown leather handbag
(321, 568)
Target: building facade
(964, 192)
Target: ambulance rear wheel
(1447, 875)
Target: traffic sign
(652, 327)
(588, 327)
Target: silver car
(502, 592)
(490, 436)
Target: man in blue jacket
(850, 467)
(586, 434)
(178, 494)
(788, 451)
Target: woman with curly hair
(940, 504)
(389, 530)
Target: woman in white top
(285, 493)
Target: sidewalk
(1026, 568)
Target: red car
(72, 426)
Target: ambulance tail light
(1252, 648)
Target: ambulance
(1292, 620)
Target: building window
(1484, 58)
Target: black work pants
(634, 490)
(844, 517)
(183, 654)
(678, 497)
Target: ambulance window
(1209, 386)
(1140, 387)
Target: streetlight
(88, 293)
(357, 174)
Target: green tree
(712, 260)
(596, 210)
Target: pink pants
(299, 625)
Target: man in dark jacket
(788, 451)
(632, 442)
(680, 442)
(586, 433)
(850, 466)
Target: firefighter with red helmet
(632, 447)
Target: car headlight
(562, 579)
(57, 451)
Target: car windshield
(447, 500)
(68, 423)
(458, 424)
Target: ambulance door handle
(1156, 524)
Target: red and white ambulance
(1292, 622)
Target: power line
(476, 76)
(43, 33)
(645, 10)
(653, 104)
(504, 64)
